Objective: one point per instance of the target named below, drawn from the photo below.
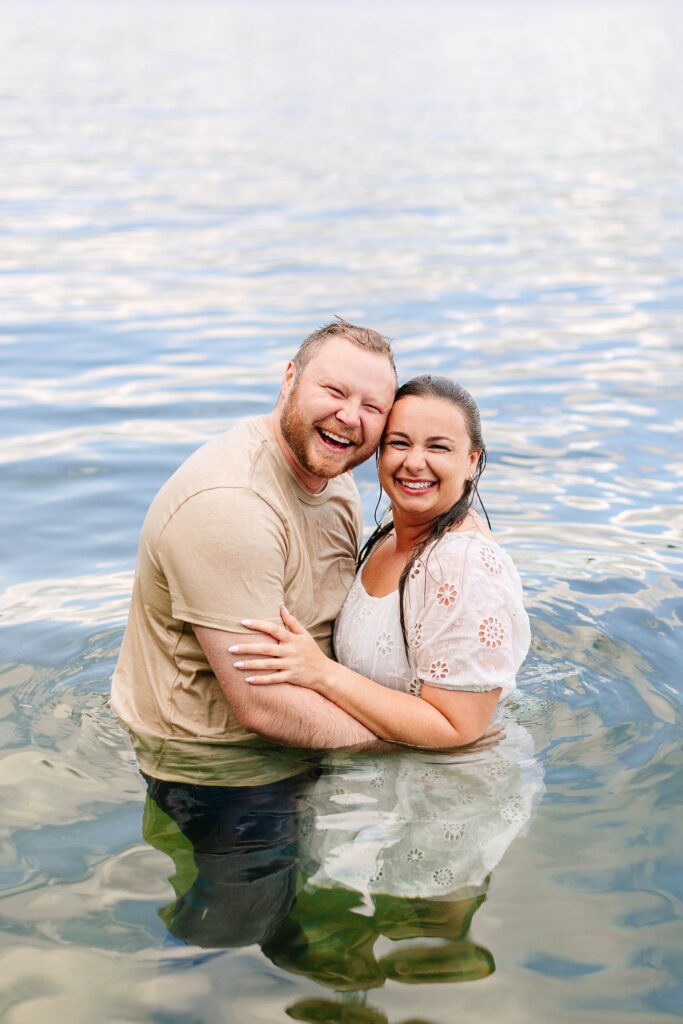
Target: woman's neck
(409, 534)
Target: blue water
(187, 189)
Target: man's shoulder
(224, 460)
(223, 466)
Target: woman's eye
(397, 444)
(439, 448)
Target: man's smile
(335, 441)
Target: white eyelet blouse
(466, 624)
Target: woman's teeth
(417, 485)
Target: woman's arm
(437, 719)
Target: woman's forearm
(438, 718)
(391, 714)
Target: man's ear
(288, 380)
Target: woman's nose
(414, 460)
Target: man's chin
(329, 466)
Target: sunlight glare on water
(187, 190)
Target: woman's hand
(293, 657)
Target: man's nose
(348, 413)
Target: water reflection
(235, 855)
(364, 869)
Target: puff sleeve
(467, 627)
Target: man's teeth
(417, 485)
(335, 437)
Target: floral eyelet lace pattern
(444, 876)
(446, 594)
(415, 636)
(463, 796)
(384, 644)
(491, 560)
(453, 830)
(491, 632)
(438, 669)
(514, 810)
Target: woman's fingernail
(249, 679)
(234, 649)
(239, 664)
(245, 622)
(285, 609)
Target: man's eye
(335, 391)
(373, 409)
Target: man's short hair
(363, 337)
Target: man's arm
(280, 712)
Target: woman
(433, 630)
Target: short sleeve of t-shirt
(473, 632)
(223, 555)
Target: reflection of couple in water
(316, 864)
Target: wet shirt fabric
(231, 535)
(420, 824)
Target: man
(262, 516)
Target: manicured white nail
(234, 649)
(239, 664)
(285, 609)
(249, 679)
(245, 622)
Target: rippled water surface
(189, 188)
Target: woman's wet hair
(430, 386)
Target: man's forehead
(343, 359)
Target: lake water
(187, 189)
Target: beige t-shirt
(231, 535)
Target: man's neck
(311, 483)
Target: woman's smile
(416, 486)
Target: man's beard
(298, 434)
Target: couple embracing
(246, 569)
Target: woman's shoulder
(480, 555)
